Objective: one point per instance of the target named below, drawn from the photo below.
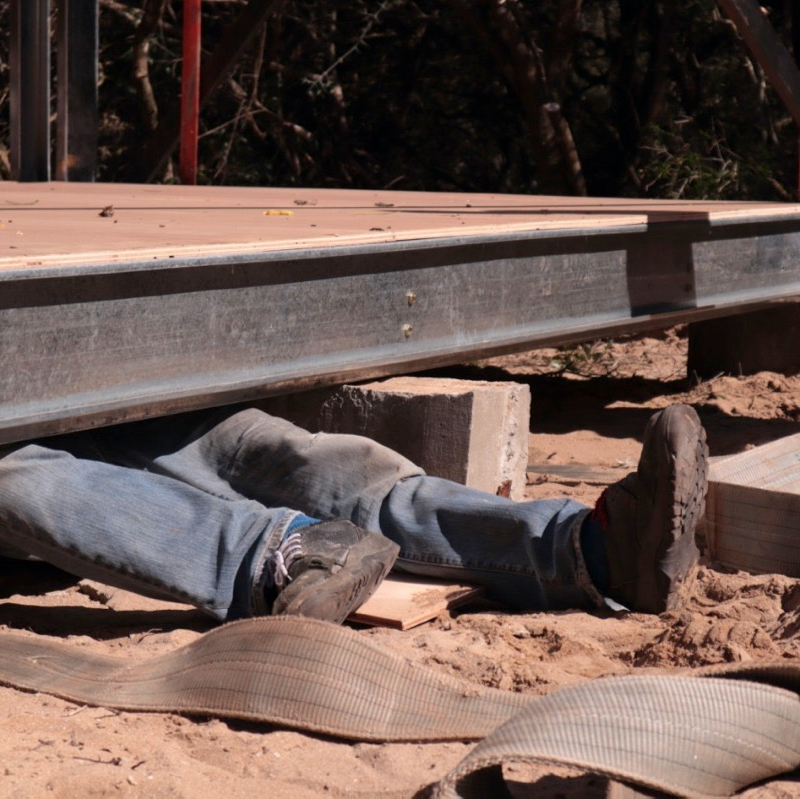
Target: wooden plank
(405, 602)
(576, 473)
(771, 466)
(753, 509)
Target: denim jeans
(189, 508)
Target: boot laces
(283, 557)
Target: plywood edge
(32, 260)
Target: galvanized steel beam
(98, 344)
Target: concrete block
(472, 432)
(747, 343)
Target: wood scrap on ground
(753, 508)
(405, 602)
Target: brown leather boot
(648, 519)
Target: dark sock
(594, 553)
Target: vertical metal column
(30, 89)
(77, 58)
(190, 91)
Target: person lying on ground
(241, 514)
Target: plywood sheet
(405, 602)
(67, 224)
(753, 508)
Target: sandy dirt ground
(590, 405)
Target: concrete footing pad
(472, 432)
(747, 343)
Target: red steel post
(190, 91)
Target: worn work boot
(648, 519)
(329, 569)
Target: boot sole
(669, 554)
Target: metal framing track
(97, 344)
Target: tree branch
(151, 18)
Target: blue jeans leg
(527, 554)
(137, 530)
(189, 508)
